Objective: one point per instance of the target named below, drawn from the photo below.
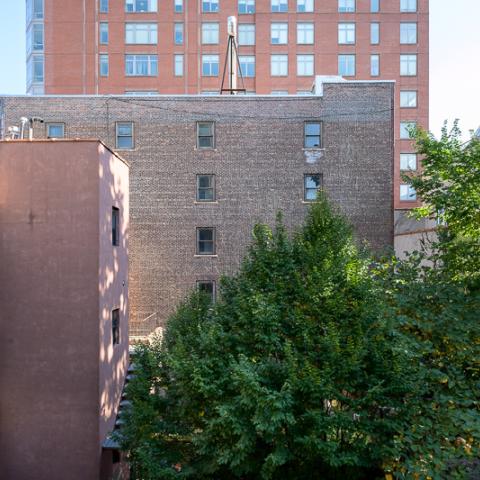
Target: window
(408, 99)
(210, 65)
(374, 33)
(37, 68)
(247, 65)
(408, 33)
(209, 33)
(103, 6)
(207, 287)
(278, 65)
(103, 60)
(404, 129)
(141, 33)
(246, 6)
(305, 65)
(205, 135)
(346, 33)
(312, 184)
(178, 33)
(55, 130)
(178, 6)
(408, 65)
(178, 65)
(304, 6)
(115, 226)
(206, 241)
(305, 33)
(205, 188)
(141, 65)
(104, 33)
(346, 6)
(34, 10)
(279, 33)
(346, 65)
(408, 161)
(408, 5)
(35, 38)
(141, 5)
(246, 34)
(407, 193)
(374, 6)
(209, 6)
(279, 5)
(374, 65)
(312, 135)
(116, 326)
(124, 135)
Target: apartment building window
(408, 65)
(103, 6)
(346, 33)
(408, 33)
(407, 193)
(408, 99)
(312, 184)
(178, 6)
(116, 326)
(206, 241)
(304, 6)
(124, 135)
(374, 6)
(205, 188)
(405, 128)
(55, 130)
(103, 33)
(103, 64)
(178, 33)
(312, 135)
(279, 6)
(140, 6)
(210, 33)
(374, 33)
(209, 6)
(178, 65)
(346, 6)
(205, 135)
(207, 287)
(305, 33)
(141, 33)
(34, 10)
(210, 65)
(246, 6)
(408, 5)
(305, 65)
(346, 65)
(247, 65)
(35, 38)
(115, 226)
(246, 34)
(408, 161)
(278, 65)
(279, 33)
(141, 65)
(35, 69)
(374, 65)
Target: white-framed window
(55, 130)
(346, 65)
(34, 10)
(312, 134)
(206, 135)
(247, 65)
(374, 33)
(279, 33)
(408, 33)
(133, 6)
(374, 6)
(124, 135)
(178, 65)
(304, 6)
(178, 33)
(305, 33)
(305, 65)
(407, 193)
(279, 6)
(210, 6)
(210, 33)
(141, 33)
(405, 128)
(278, 65)
(35, 69)
(141, 65)
(103, 6)
(408, 5)
(346, 6)
(346, 33)
(35, 38)
(408, 65)
(246, 6)
(408, 99)
(178, 6)
(408, 161)
(246, 34)
(103, 34)
(206, 241)
(103, 64)
(374, 65)
(312, 183)
(207, 287)
(210, 65)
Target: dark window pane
(204, 181)
(115, 226)
(205, 194)
(205, 142)
(116, 326)
(205, 234)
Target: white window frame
(408, 99)
(305, 33)
(279, 33)
(152, 64)
(279, 65)
(55, 124)
(305, 6)
(404, 127)
(374, 33)
(407, 193)
(103, 33)
(408, 162)
(246, 7)
(210, 60)
(279, 6)
(347, 58)
(118, 135)
(247, 64)
(210, 6)
(178, 6)
(346, 6)
(178, 33)
(151, 8)
(374, 65)
(103, 65)
(408, 6)
(210, 33)
(408, 65)
(408, 33)
(133, 30)
(305, 65)
(246, 34)
(346, 33)
(178, 66)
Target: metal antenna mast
(231, 59)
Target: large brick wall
(259, 162)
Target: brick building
(63, 307)
(204, 170)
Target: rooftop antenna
(231, 59)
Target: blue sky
(454, 59)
